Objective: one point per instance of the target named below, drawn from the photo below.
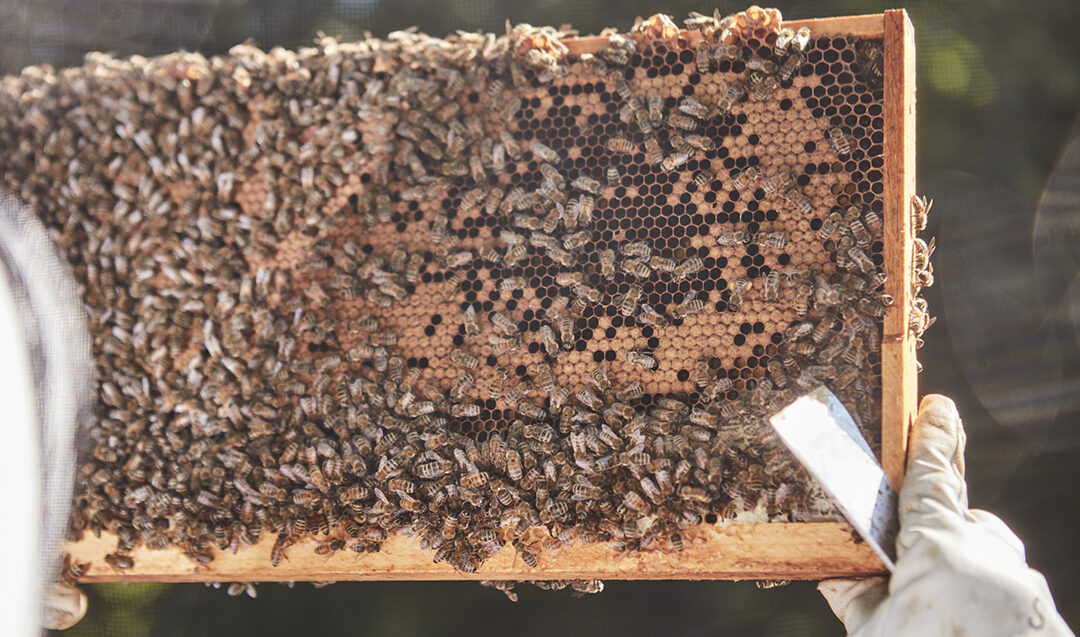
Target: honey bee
(704, 177)
(513, 465)
(590, 400)
(620, 144)
(580, 290)
(688, 492)
(920, 209)
(641, 359)
(634, 501)
(680, 120)
(474, 479)
(783, 40)
(798, 200)
(861, 260)
(431, 469)
(694, 108)
(278, 551)
(689, 267)
(733, 237)
(613, 176)
(653, 153)
(412, 268)
(566, 332)
(860, 233)
(568, 279)
(637, 249)
(576, 240)
(527, 554)
(655, 105)
(544, 153)
(650, 316)
(758, 63)
(119, 562)
(688, 307)
(843, 258)
(775, 239)
(801, 39)
(461, 385)
(839, 140)
(600, 377)
(492, 204)
(547, 339)
(777, 181)
(830, 225)
(802, 299)
(790, 66)
(587, 184)
(622, 87)
(744, 179)
(504, 324)
(512, 283)
(873, 223)
(730, 96)
(703, 57)
(461, 358)
(772, 286)
(628, 306)
(465, 410)
(607, 263)
(472, 326)
(701, 373)
(496, 383)
(700, 142)
(637, 269)
(450, 286)
(500, 346)
(674, 160)
(738, 291)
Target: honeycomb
(331, 291)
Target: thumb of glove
(854, 601)
(934, 492)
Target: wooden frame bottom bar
(809, 550)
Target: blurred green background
(999, 96)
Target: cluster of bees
(235, 404)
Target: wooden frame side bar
(807, 550)
(898, 366)
(870, 26)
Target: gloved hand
(959, 571)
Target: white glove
(958, 572)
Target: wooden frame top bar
(870, 26)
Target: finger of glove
(934, 492)
(993, 525)
(854, 601)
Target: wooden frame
(750, 551)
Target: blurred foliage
(999, 94)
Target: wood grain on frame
(899, 380)
(750, 551)
(869, 26)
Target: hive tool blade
(818, 429)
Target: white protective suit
(959, 572)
